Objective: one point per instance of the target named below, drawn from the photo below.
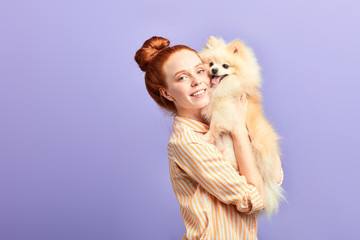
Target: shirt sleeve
(205, 164)
(282, 177)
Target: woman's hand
(239, 124)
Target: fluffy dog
(234, 70)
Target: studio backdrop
(83, 147)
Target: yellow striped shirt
(215, 201)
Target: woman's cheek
(206, 78)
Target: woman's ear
(165, 94)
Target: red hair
(151, 58)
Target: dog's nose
(214, 70)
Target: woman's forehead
(182, 60)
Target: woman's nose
(196, 81)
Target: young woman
(215, 201)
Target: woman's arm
(246, 160)
(206, 165)
(243, 149)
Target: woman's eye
(182, 77)
(200, 71)
(211, 64)
(225, 66)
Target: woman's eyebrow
(197, 65)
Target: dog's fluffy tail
(274, 194)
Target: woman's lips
(199, 93)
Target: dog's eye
(225, 66)
(211, 64)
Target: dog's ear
(236, 47)
(212, 42)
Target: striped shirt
(215, 201)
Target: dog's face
(218, 70)
(234, 58)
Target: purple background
(83, 146)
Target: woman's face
(188, 83)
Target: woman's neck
(194, 115)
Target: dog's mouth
(216, 79)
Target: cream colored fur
(243, 76)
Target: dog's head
(234, 58)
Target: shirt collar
(193, 124)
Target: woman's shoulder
(184, 135)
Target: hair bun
(149, 50)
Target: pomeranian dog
(234, 70)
